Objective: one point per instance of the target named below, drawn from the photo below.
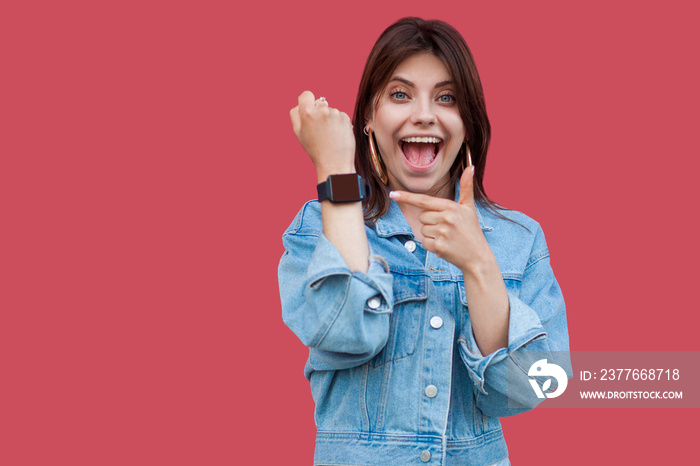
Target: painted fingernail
(472, 169)
(394, 195)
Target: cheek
(384, 134)
(385, 145)
(390, 117)
(455, 125)
(459, 131)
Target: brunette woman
(423, 303)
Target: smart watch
(348, 187)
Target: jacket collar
(393, 223)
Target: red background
(149, 169)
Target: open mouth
(421, 151)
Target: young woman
(423, 303)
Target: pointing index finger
(423, 201)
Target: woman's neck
(411, 213)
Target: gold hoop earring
(376, 161)
(466, 160)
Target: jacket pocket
(410, 295)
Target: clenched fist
(326, 135)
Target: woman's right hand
(326, 135)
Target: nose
(423, 112)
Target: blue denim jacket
(395, 372)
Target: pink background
(149, 169)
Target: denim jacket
(395, 372)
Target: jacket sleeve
(343, 316)
(537, 330)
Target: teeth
(428, 140)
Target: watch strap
(324, 191)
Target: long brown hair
(404, 38)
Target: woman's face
(418, 127)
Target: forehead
(422, 67)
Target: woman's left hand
(451, 229)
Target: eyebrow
(409, 83)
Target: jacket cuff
(346, 312)
(326, 261)
(524, 327)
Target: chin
(422, 185)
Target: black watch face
(345, 187)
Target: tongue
(419, 154)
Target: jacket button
(436, 322)
(374, 302)
(410, 245)
(431, 391)
(425, 456)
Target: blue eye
(399, 95)
(446, 98)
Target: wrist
(322, 173)
(480, 267)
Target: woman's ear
(368, 126)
